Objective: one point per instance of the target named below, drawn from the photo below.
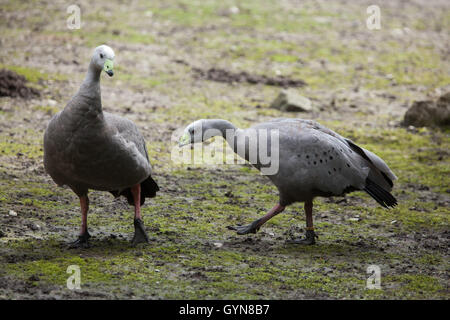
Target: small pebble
(35, 227)
(12, 213)
(234, 10)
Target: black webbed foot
(250, 228)
(140, 236)
(81, 242)
(309, 239)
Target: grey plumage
(313, 161)
(316, 161)
(104, 152)
(86, 148)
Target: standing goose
(86, 148)
(311, 161)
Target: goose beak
(108, 67)
(184, 140)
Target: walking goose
(311, 161)
(86, 148)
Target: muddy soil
(226, 76)
(14, 85)
(179, 61)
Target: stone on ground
(429, 113)
(291, 101)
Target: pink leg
(310, 237)
(83, 237)
(136, 192)
(269, 215)
(140, 236)
(309, 218)
(255, 225)
(84, 204)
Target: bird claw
(140, 236)
(81, 242)
(250, 228)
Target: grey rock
(291, 101)
(429, 113)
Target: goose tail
(379, 172)
(383, 197)
(149, 187)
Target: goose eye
(101, 55)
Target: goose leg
(82, 240)
(310, 235)
(255, 225)
(140, 236)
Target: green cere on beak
(185, 139)
(108, 67)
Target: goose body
(105, 153)
(86, 148)
(316, 161)
(312, 161)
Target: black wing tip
(383, 197)
(149, 187)
(388, 180)
(361, 152)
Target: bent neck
(220, 127)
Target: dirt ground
(178, 61)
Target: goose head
(193, 133)
(103, 59)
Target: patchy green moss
(50, 110)
(414, 285)
(192, 254)
(30, 150)
(34, 75)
